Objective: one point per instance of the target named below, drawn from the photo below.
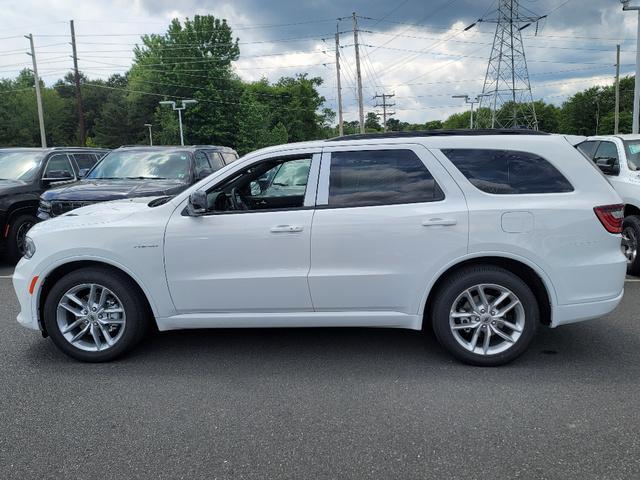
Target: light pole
(470, 102)
(148, 125)
(636, 91)
(179, 109)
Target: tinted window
(201, 162)
(508, 171)
(84, 160)
(380, 177)
(588, 148)
(216, 160)
(19, 165)
(229, 157)
(59, 166)
(606, 150)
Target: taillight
(611, 217)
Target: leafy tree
(372, 122)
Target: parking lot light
(636, 92)
(185, 102)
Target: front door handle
(443, 222)
(286, 229)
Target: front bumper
(22, 277)
(43, 215)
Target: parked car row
(38, 184)
(479, 235)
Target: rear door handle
(443, 222)
(286, 229)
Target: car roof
(189, 148)
(621, 136)
(54, 149)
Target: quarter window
(84, 160)
(587, 148)
(508, 171)
(380, 177)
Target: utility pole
(616, 121)
(358, 75)
(636, 91)
(340, 120)
(36, 78)
(148, 125)
(384, 106)
(468, 100)
(79, 109)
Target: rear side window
(380, 177)
(508, 171)
(84, 160)
(229, 157)
(215, 159)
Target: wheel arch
(536, 279)
(65, 268)
(630, 209)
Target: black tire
(17, 230)
(466, 278)
(631, 236)
(124, 288)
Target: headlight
(44, 205)
(29, 247)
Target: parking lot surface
(337, 403)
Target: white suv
(619, 159)
(482, 236)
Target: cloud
(423, 65)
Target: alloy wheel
(629, 244)
(91, 317)
(487, 319)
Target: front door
(251, 251)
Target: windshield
(142, 165)
(633, 153)
(19, 165)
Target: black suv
(129, 172)
(27, 172)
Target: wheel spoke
(462, 326)
(71, 326)
(80, 334)
(474, 339)
(487, 339)
(106, 335)
(75, 300)
(112, 310)
(462, 314)
(111, 321)
(68, 308)
(103, 297)
(503, 296)
(508, 308)
(96, 336)
(512, 326)
(92, 296)
(501, 334)
(472, 302)
(483, 297)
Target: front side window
(632, 147)
(150, 164)
(59, 166)
(380, 177)
(202, 163)
(505, 172)
(273, 184)
(588, 148)
(19, 165)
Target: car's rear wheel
(16, 236)
(630, 238)
(485, 315)
(95, 314)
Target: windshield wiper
(145, 178)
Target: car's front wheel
(95, 314)
(485, 315)
(16, 236)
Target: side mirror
(197, 205)
(83, 172)
(204, 173)
(58, 176)
(608, 165)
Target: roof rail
(440, 133)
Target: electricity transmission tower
(386, 113)
(507, 90)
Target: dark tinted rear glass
(508, 171)
(84, 160)
(380, 177)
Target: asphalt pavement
(325, 404)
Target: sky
(415, 49)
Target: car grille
(60, 207)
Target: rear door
(388, 218)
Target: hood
(11, 186)
(100, 213)
(102, 190)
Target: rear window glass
(508, 171)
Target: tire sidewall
(121, 287)
(633, 221)
(467, 278)
(13, 254)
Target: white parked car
(482, 236)
(618, 156)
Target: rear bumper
(564, 314)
